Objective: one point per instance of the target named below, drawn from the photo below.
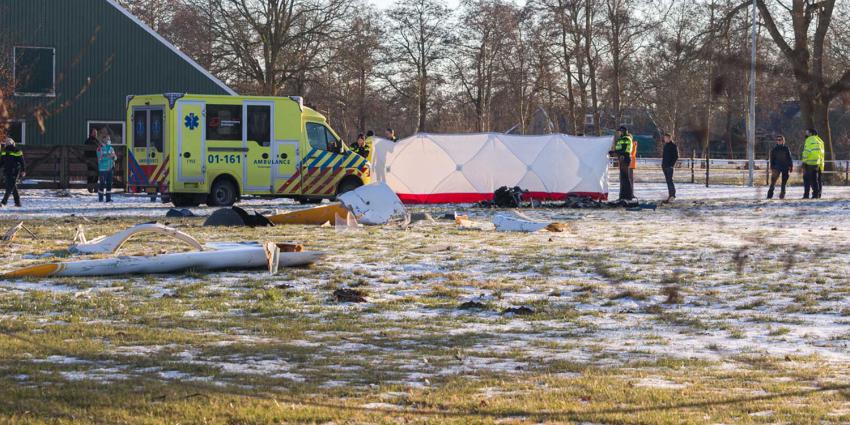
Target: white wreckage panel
(110, 244)
(373, 204)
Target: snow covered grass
(727, 309)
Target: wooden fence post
(693, 160)
(64, 168)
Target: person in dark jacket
(90, 155)
(390, 135)
(668, 161)
(13, 166)
(781, 164)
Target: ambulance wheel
(348, 185)
(222, 193)
(184, 200)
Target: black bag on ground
(505, 197)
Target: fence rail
(65, 167)
(710, 171)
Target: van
(211, 149)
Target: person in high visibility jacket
(633, 164)
(13, 166)
(813, 164)
(623, 152)
(370, 145)
(360, 147)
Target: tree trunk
(423, 100)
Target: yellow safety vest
(624, 145)
(813, 151)
(370, 144)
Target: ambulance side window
(140, 129)
(156, 130)
(317, 136)
(259, 117)
(224, 122)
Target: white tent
(442, 168)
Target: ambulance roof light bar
(299, 100)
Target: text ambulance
(198, 149)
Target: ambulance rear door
(148, 163)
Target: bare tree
(417, 40)
(807, 54)
(271, 43)
(481, 41)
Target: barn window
(16, 129)
(34, 71)
(113, 129)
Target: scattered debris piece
(414, 218)
(519, 222)
(348, 223)
(10, 234)
(235, 216)
(557, 227)
(273, 252)
(519, 311)
(217, 256)
(464, 223)
(112, 243)
(346, 295)
(175, 213)
(582, 202)
(373, 204)
(224, 217)
(472, 305)
(315, 216)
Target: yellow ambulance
(199, 149)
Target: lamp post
(751, 121)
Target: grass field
(705, 311)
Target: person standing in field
(623, 152)
(813, 162)
(668, 161)
(105, 169)
(390, 135)
(633, 164)
(781, 164)
(13, 167)
(90, 157)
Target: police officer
(360, 147)
(13, 166)
(623, 152)
(813, 162)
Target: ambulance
(210, 149)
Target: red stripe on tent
(468, 198)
